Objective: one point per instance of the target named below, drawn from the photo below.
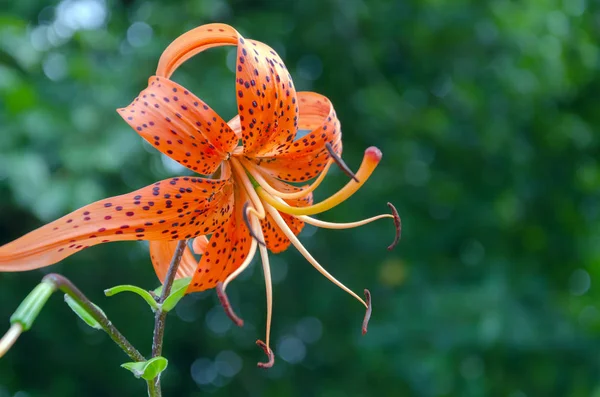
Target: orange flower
(250, 205)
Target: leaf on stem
(82, 313)
(177, 292)
(136, 290)
(147, 370)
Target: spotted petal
(227, 249)
(180, 125)
(172, 209)
(161, 253)
(266, 96)
(275, 239)
(307, 156)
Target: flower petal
(266, 100)
(275, 239)
(227, 249)
(194, 42)
(172, 209)
(161, 254)
(266, 96)
(180, 125)
(307, 155)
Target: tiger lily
(250, 204)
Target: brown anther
(398, 224)
(227, 306)
(247, 222)
(368, 313)
(338, 160)
(269, 354)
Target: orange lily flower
(249, 205)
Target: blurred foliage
(487, 114)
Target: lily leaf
(147, 370)
(136, 290)
(177, 292)
(82, 313)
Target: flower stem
(70, 289)
(160, 315)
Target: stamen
(347, 225)
(268, 352)
(338, 160)
(243, 179)
(10, 338)
(261, 178)
(290, 235)
(247, 221)
(398, 223)
(227, 306)
(368, 313)
(264, 256)
(369, 163)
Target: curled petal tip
(368, 312)
(268, 352)
(373, 153)
(398, 224)
(227, 306)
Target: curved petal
(227, 249)
(266, 99)
(275, 239)
(194, 42)
(180, 125)
(307, 156)
(172, 209)
(161, 254)
(266, 96)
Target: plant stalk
(160, 315)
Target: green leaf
(177, 292)
(147, 370)
(136, 290)
(82, 313)
(31, 306)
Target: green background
(487, 115)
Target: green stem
(69, 288)
(160, 315)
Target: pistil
(370, 160)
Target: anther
(268, 352)
(398, 224)
(338, 160)
(227, 306)
(247, 221)
(368, 313)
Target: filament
(257, 175)
(258, 209)
(369, 163)
(264, 255)
(290, 235)
(347, 225)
